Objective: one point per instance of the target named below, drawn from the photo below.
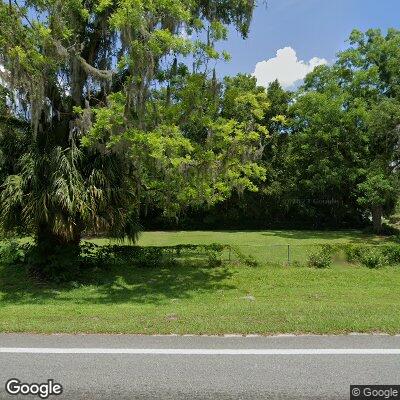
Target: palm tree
(58, 193)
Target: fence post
(288, 254)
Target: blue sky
(312, 28)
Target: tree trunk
(55, 256)
(377, 219)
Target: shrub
(69, 264)
(321, 258)
(147, 257)
(391, 254)
(390, 230)
(353, 253)
(214, 259)
(64, 264)
(154, 256)
(12, 252)
(372, 258)
(245, 259)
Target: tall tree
(347, 122)
(95, 80)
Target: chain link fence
(280, 254)
(283, 254)
(300, 254)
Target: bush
(12, 252)
(391, 254)
(63, 264)
(155, 256)
(386, 230)
(372, 258)
(71, 263)
(353, 253)
(321, 258)
(214, 259)
(390, 230)
(245, 259)
(152, 257)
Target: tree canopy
(116, 116)
(332, 154)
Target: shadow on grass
(113, 284)
(353, 237)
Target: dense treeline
(332, 154)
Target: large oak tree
(106, 89)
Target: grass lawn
(264, 246)
(202, 300)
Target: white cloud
(285, 67)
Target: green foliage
(391, 254)
(11, 252)
(345, 128)
(246, 259)
(331, 156)
(372, 258)
(353, 253)
(68, 190)
(158, 256)
(196, 147)
(62, 264)
(377, 192)
(321, 258)
(68, 264)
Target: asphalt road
(189, 367)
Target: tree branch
(102, 74)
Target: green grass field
(264, 246)
(202, 300)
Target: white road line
(250, 352)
